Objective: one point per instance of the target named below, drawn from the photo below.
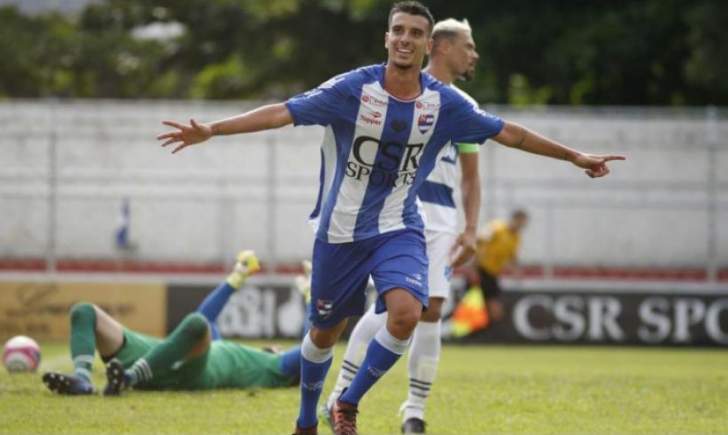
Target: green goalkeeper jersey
(225, 365)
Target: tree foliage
(631, 52)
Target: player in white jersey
(387, 124)
(453, 57)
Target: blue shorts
(341, 271)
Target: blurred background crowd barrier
(69, 169)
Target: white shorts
(438, 254)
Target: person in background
(192, 357)
(497, 248)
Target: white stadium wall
(66, 166)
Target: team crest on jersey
(425, 122)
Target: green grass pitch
(479, 389)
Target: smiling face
(408, 40)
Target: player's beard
(468, 75)
(403, 66)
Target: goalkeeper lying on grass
(191, 358)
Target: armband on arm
(468, 148)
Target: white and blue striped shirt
(437, 193)
(378, 150)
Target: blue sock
(291, 362)
(315, 363)
(213, 305)
(383, 351)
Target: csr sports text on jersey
(378, 150)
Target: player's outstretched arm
(465, 245)
(262, 118)
(517, 136)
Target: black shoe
(115, 379)
(67, 384)
(413, 425)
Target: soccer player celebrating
(386, 126)
(185, 360)
(453, 57)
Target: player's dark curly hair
(412, 8)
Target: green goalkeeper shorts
(135, 346)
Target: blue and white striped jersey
(378, 150)
(437, 192)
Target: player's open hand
(595, 165)
(463, 249)
(185, 135)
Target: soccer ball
(21, 354)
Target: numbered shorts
(439, 245)
(397, 259)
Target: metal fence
(66, 167)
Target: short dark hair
(412, 8)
